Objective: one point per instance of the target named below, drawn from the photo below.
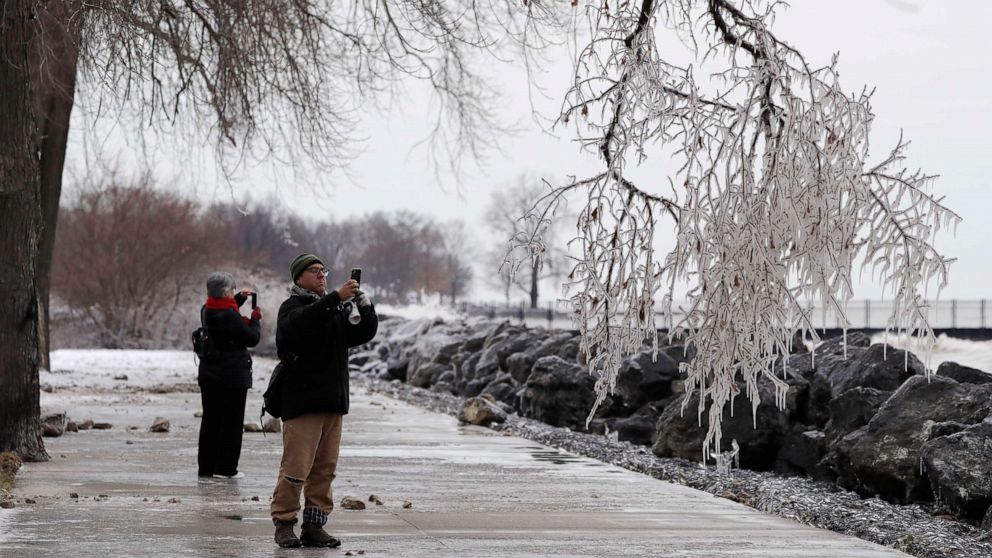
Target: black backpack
(271, 399)
(203, 344)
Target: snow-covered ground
(108, 369)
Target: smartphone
(356, 274)
(254, 300)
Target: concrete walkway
(473, 493)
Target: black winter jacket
(312, 339)
(231, 337)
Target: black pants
(220, 429)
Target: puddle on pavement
(558, 458)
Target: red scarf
(214, 303)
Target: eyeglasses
(318, 271)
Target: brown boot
(315, 535)
(285, 537)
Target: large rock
(835, 345)
(473, 343)
(397, 368)
(643, 378)
(883, 457)
(437, 345)
(559, 393)
(362, 358)
(682, 436)
(448, 377)
(400, 335)
(946, 428)
(679, 353)
(481, 411)
(428, 374)
(638, 428)
(853, 409)
(801, 453)
(502, 389)
(464, 365)
(799, 343)
(444, 387)
(53, 425)
(498, 348)
(881, 367)
(519, 364)
(569, 351)
(959, 467)
(818, 368)
(963, 374)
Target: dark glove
(256, 314)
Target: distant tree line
(403, 255)
(129, 255)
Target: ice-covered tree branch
(773, 199)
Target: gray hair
(219, 283)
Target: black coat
(312, 339)
(231, 337)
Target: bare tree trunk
(535, 269)
(20, 213)
(56, 92)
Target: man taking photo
(313, 334)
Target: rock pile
(860, 415)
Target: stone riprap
(856, 414)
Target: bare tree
(255, 233)
(338, 242)
(456, 254)
(124, 255)
(510, 216)
(772, 204)
(274, 78)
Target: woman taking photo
(225, 376)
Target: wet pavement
(473, 492)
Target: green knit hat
(301, 263)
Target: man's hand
(349, 289)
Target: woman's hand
(348, 290)
(246, 292)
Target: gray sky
(929, 62)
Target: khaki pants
(310, 447)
